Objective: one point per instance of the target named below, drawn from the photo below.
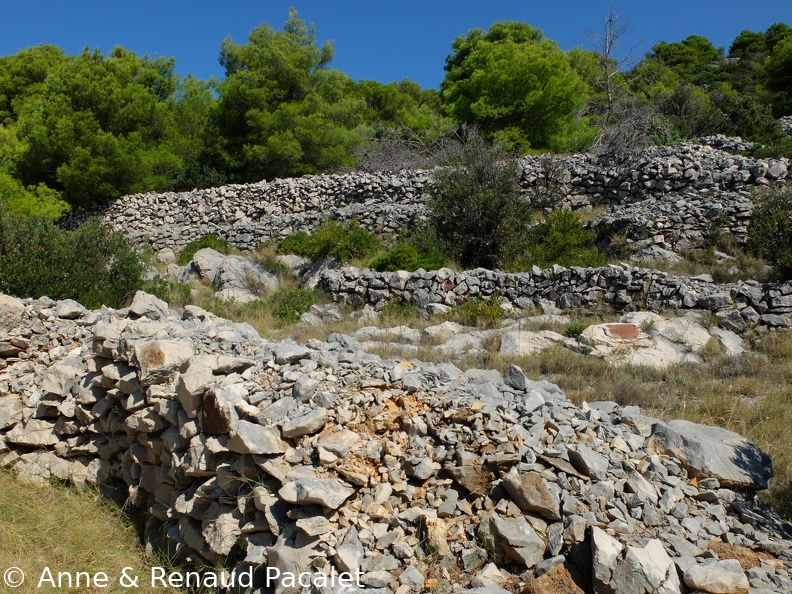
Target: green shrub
(477, 209)
(560, 239)
(177, 295)
(207, 241)
(574, 329)
(91, 264)
(482, 313)
(299, 243)
(770, 232)
(405, 257)
(288, 305)
(332, 239)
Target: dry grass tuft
(68, 531)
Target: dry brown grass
(66, 530)
(750, 394)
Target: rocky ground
(256, 453)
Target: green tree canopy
(282, 111)
(518, 86)
(96, 129)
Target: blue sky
(373, 39)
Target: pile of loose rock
(320, 458)
(678, 222)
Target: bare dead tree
(605, 44)
(404, 148)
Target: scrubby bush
(770, 233)
(405, 257)
(574, 329)
(482, 313)
(299, 243)
(91, 264)
(477, 209)
(207, 241)
(345, 242)
(175, 294)
(288, 305)
(560, 239)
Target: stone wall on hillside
(737, 306)
(268, 457)
(384, 203)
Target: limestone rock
(250, 438)
(328, 492)
(721, 577)
(160, 360)
(11, 312)
(512, 539)
(531, 494)
(713, 452)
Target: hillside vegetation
(78, 129)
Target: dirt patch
(625, 331)
(561, 579)
(747, 557)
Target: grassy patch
(68, 531)
(207, 241)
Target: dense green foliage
(333, 239)
(406, 257)
(560, 239)
(770, 233)
(517, 86)
(77, 129)
(288, 305)
(90, 265)
(477, 209)
(207, 241)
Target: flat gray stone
(328, 492)
(713, 452)
(251, 438)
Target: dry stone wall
(280, 459)
(384, 203)
(737, 306)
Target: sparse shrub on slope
(345, 242)
(288, 305)
(91, 264)
(770, 233)
(482, 313)
(477, 209)
(560, 239)
(207, 241)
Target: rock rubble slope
(320, 456)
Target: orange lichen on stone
(626, 331)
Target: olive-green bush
(770, 232)
(345, 242)
(207, 241)
(91, 264)
(560, 239)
